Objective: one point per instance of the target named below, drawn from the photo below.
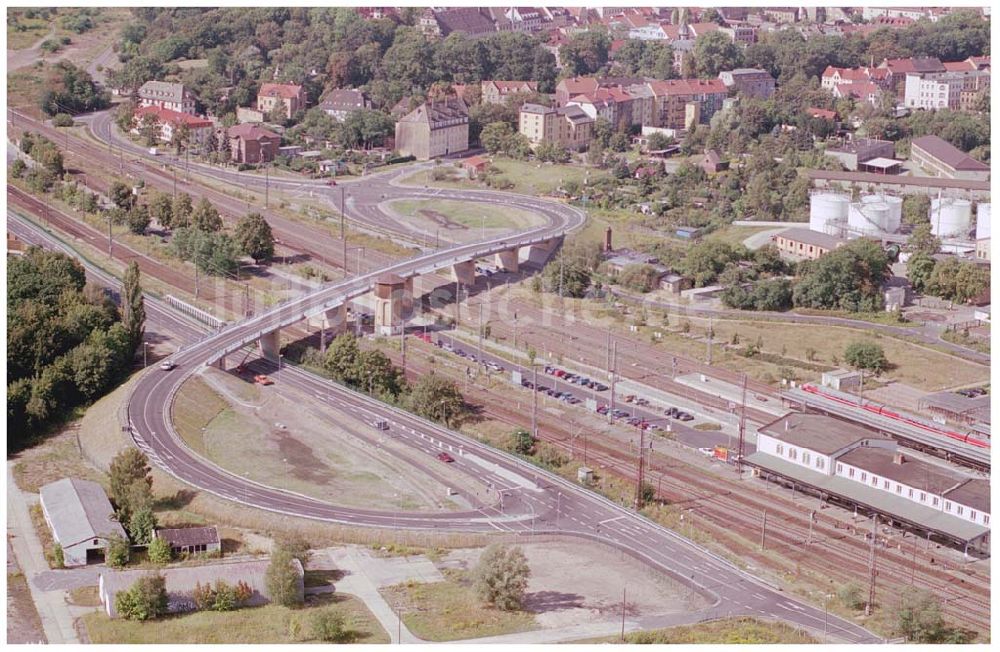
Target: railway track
(833, 551)
(86, 155)
(830, 548)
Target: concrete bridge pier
(508, 260)
(333, 320)
(464, 272)
(270, 345)
(540, 253)
(389, 292)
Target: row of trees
(67, 343)
(431, 397)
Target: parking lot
(591, 394)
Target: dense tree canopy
(65, 342)
(848, 278)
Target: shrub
(159, 551)
(17, 169)
(57, 555)
(851, 596)
(331, 626)
(146, 600)
(282, 580)
(502, 576)
(62, 120)
(116, 552)
(225, 597)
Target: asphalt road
(533, 500)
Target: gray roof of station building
(974, 493)
(884, 502)
(817, 432)
(79, 510)
(914, 473)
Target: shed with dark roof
(190, 540)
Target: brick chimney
(607, 239)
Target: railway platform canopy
(912, 515)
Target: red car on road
(445, 457)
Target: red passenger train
(882, 410)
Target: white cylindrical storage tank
(950, 217)
(868, 218)
(982, 221)
(895, 213)
(826, 210)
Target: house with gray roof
(81, 519)
(167, 95)
(797, 244)
(190, 540)
(340, 102)
(435, 128)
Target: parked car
(641, 401)
(528, 384)
(684, 416)
(671, 412)
(630, 398)
(602, 409)
(262, 379)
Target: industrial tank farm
(951, 217)
(828, 212)
(982, 221)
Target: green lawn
(270, 624)
(451, 610)
(455, 215)
(532, 178)
(748, 631)
(911, 364)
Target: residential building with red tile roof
(679, 103)
(169, 121)
(250, 143)
(864, 91)
(825, 114)
(290, 97)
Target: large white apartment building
(933, 91)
